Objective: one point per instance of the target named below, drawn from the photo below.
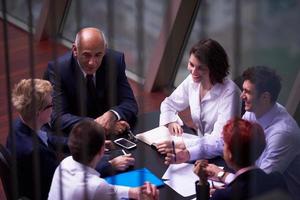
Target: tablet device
(127, 144)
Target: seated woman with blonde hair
(35, 154)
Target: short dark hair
(265, 79)
(212, 54)
(245, 140)
(86, 139)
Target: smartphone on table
(127, 144)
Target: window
(269, 35)
(131, 26)
(18, 9)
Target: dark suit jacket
(26, 171)
(251, 184)
(113, 90)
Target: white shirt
(282, 152)
(219, 105)
(74, 180)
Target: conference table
(147, 157)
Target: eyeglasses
(48, 106)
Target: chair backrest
(5, 171)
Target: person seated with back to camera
(76, 177)
(212, 97)
(90, 82)
(244, 142)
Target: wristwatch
(220, 175)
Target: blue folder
(135, 178)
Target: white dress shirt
(282, 152)
(73, 180)
(221, 103)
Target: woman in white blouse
(212, 97)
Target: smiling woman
(212, 97)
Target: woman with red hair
(244, 142)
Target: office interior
(156, 37)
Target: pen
(212, 184)
(124, 152)
(173, 145)
(131, 135)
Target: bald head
(90, 34)
(89, 48)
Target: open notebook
(161, 134)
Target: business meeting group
(67, 121)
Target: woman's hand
(175, 128)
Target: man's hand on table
(121, 163)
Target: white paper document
(161, 134)
(181, 178)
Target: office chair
(5, 172)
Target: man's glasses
(48, 106)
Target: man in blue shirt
(261, 88)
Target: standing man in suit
(90, 82)
(33, 102)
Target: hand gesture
(212, 171)
(107, 121)
(175, 128)
(108, 145)
(166, 146)
(200, 169)
(180, 156)
(120, 127)
(121, 163)
(149, 192)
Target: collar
(77, 166)
(83, 72)
(216, 90)
(268, 117)
(245, 169)
(24, 127)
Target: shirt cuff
(166, 118)
(229, 178)
(122, 192)
(193, 150)
(116, 113)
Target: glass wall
(214, 20)
(19, 9)
(269, 35)
(131, 26)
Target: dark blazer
(113, 90)
(252, 184)
(26, 171)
